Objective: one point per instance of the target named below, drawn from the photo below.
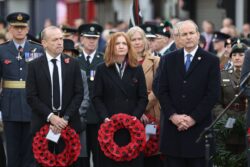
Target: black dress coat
(39, 94)
(194, 93)
(114, 95)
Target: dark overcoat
(193, 93)
(114, 95)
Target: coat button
(21, 69)
(126, 99)
(21, 79)
(183, 96)
(184, 81)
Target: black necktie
(20, 52)
(88, 60)
(56, 86)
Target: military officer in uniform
(89, 59)
(230, 86)
(14, 56)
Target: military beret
(219, 36)
(18, 19)
(238, 48)
(149, 29)
(90, 30)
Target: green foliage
(227, 155)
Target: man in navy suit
(189, 87)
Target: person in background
(89, 59)
(69, 49)
(235, 141)
(16, 113)
(208, 30)
(219, 39)
(149, 64)
(150, 30)
(164, 40)
(189, 86)
(120, 73)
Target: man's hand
(186, 123)
(58, 122)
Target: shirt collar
(17, 44)
(91, 55)
(49, 57)
(192, 52)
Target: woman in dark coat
(120, 87)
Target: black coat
(39, 96)
(194, 93)
(114, 95)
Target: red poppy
(129, 151)
(7, 61)
(66, 60)
(66, 157)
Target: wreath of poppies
(129, 151)
(152, 145)
(66, 157)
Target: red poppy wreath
(152, 145)
(129, 151)
(66, 157)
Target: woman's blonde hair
(109, 56)
(131, 33)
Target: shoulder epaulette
(6, 42)
(34, 42)
(100, 53)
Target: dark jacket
(39, 96)
(193, 93)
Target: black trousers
(92, 143)
(184, 162)
(18, 144)
(2, 153)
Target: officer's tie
(88, 60)
(56, 86)
(188, 61)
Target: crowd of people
(181, 76)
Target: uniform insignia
(35, 42)
(92, 29)
(199, 58)
(226, 80)
(19, 17)
(92, 75)
(148, 29)
(230, 71)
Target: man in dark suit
(89, 59)
(54, 86)
(189, 87)
(14, 57)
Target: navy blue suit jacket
(193, 93)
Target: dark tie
(56, 86)
(20, 52)
(88, 60)
(188, 61)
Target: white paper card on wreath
(230, 123)
(52, 136)
(150, 129)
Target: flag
(135, 14)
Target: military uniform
(16, 113)
(233, 122)
(93, 121)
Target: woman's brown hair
(109, 56)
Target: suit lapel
(180, 61)
(116, 78)
(12, 49)
(94, 61)
(45, 67)
(147, 64)
(197, 58)
(63, 65)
